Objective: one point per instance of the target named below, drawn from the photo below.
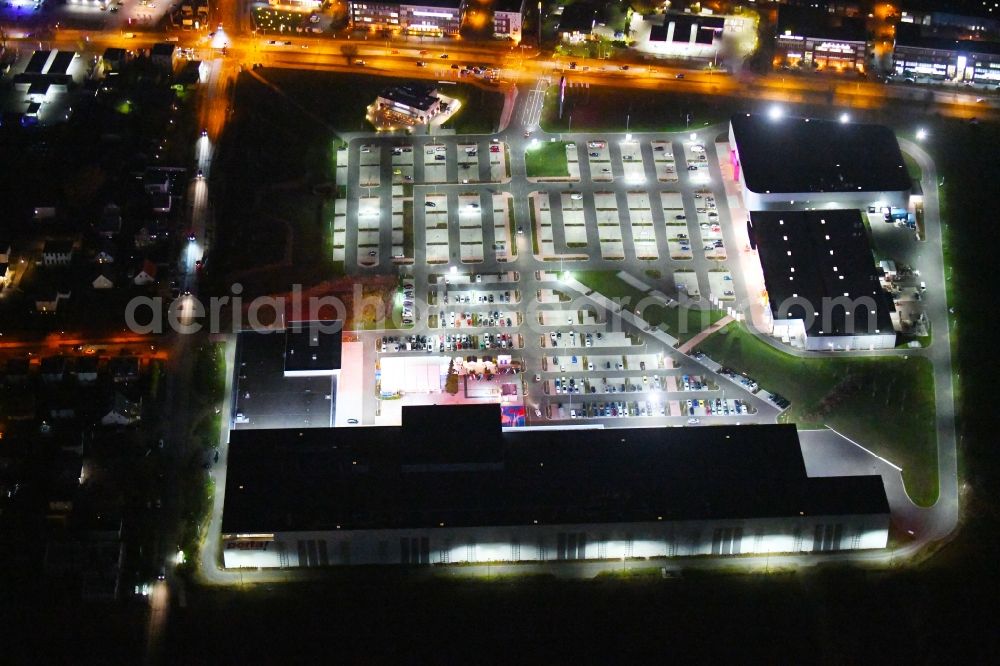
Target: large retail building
(786, 163)
(423, 494)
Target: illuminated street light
(775, 112)
(845, 117)
(921, 134)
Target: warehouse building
(786, 163)
(822, 286)
(423, 494)
(816, 39)
(432, 18)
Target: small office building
(423, 494)
(813, 38)
(429, 17)
(508, 19)
(787, 163)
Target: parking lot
(624, 207)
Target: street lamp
(921, 134)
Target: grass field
(608, 109)
(547, 160)
(681, 322)
(886, 404)
(480, 112)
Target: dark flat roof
(440, 4)
(57, 247)
(413, 95)
(466, 472)
(819, 23)
(911, 36)
(162, 49)
(579, 17)
(61, 62)
(267, 397)
(791, 155)
(313, 346)
(508, 6)
(37, 62)
(811, 272)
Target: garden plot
(687, 282)
(470, 225)
(720, 284)
(468, 162)
(574, 224)
(641, 219)
(543, 222)
(608, 225)
(632, 163)
(498, 162)
(503, 227)
(436, 224)
(339, 229)
(435, 163)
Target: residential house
(124, 368)
(47, 302)
(113, 59)
(85, 369)
(106, 252)
(161, 203)
(121, 411)
(57, 253)
(146, 274)
(53, 369)
(156, 181)
(105, 278)
(110, 223)
(17, 371)
(162, 55)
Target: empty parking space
(369, 222)
(370, 166)
(574, 222)
(504, 232)
(608, 225)
(633, 168)
(470, 225)
(468, 162)
(720, 284)
(499, 171)
(641, 220)
(435, 212)
(435, 163)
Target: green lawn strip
(547, 160)
(480, 112)
(681, 322)
(912, 167)
(600, 108)
(885, 404)
(511, 228)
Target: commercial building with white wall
(822, 286)
(426, 494)
(429, 17)
(813, 38)
(786, 163)
(932, 59)
(508, 19)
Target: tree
(451, 383)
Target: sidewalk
(693, 342)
